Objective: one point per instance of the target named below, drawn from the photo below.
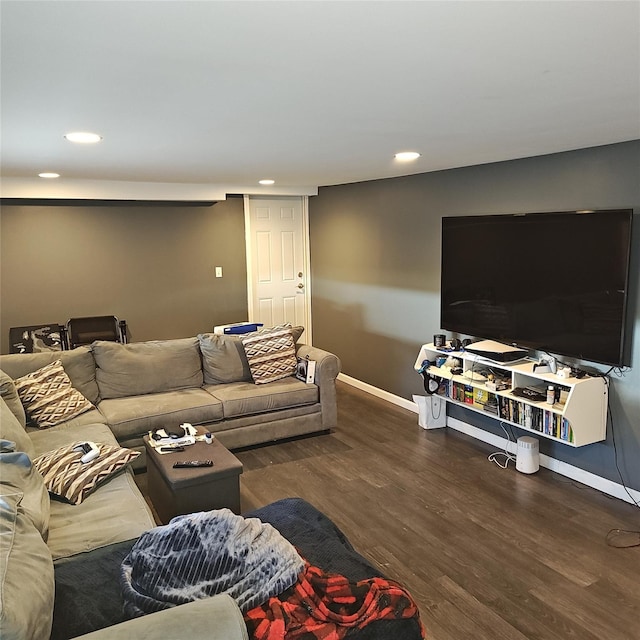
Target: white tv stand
(578, 419)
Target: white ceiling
(224, 93)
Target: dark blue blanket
(88, 595)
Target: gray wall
(375, 255)
(152, 265)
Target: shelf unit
(577, 419)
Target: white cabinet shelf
(577, 419)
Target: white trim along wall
(575, 473)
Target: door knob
(301, 286)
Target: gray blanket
(203, 554)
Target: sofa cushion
(224, 359)
(48, 397)
(90, 417)
(138, 368)
(67, 477)
(26, 574)
(271, 354)
(11, 430)
(10, 395)
(19, 474)
(97, 521)
(245, 398)
(138, 415)
(78, 364)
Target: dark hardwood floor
(488, 553)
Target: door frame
(306, 257)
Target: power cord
(623, 538)
(620, 538)
(497, 455)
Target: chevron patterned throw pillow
(271, 353)
(67, 477)
(48, 397)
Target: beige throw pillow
(49, 398)
(67, 477)
(271, 354)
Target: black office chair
(81, 331)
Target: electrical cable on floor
(620, 538)
(623, 538)
(496, 455)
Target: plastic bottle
(551, 394)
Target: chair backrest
(83, 331)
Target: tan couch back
(78, 364)
(139, 368)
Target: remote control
(187, 464)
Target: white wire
(509, 457)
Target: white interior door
(277, 235)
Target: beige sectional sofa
(205, 380)
(133, 388)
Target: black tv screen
(554, 282)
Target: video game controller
(90, 451)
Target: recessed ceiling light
(407, 156)
(83, 137)
(268, 181)
(48, 174)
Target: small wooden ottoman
(180, 491)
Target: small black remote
(187, 464)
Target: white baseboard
(563, 468)
(379, 393)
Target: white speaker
(528, 455)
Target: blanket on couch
(89, 597)
(203, 554)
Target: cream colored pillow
(271, 354)
(67, 477)
(49, 398)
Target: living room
(375, 262)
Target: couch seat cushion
(138, 415)
(138, 368)
(245, 398)
(92, 416)
(96, 522)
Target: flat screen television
(553, 282)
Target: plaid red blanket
(326, 606)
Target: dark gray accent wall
(375, 255)
(152, 265)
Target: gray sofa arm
(327, 370)
(216, 618)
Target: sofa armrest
(327, 370)
(216, 618)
